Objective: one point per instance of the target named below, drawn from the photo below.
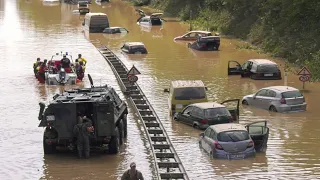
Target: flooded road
(28, 30)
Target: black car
(208, 43)
(202, 115)
(255, 69)
(115, 30)
(134, 48)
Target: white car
(277, 99)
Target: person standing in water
(132, 173)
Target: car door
(233, 107)
(266, 101)
(258, 98)
(184, 116)
(246, 69)
(234, 68)
(205, 140)
(196, 115)
(259, 133)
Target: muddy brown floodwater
(31, 29)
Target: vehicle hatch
(234, 141)
(293, 97)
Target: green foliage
(285, 28)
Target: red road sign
(304, 72)
(304, 78)
(133, 78)
(133, 71)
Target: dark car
(202, 115)
(115, 30)
(255, 69)
(134, 48)
(208, 43)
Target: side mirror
(254, 97)
(166, 90)
(206, 88)
(201, 134)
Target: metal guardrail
(168, 164)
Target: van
(185, 92)
(96, 22)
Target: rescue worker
(65, 62)
(81, 133)
(132, 173)
(35, 66)
(81, 59)
(42, 70)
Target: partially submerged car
(193, 35)
(235, 141)
(152, 20)
(134, 48)
(255, 69)
(202, 115)
(277, 99)
(207, 43)
(115, 30)
(83, 7)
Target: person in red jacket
(42, 70)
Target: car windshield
(190, 93)
(233, 136)
(214, 112)
(291, 94)
(268, 68)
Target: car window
(123, 30)
(233, 136)
(208, 132)
(197, 112)
(214, 112)
(187, 109)
(190, 93)
(137, 47)
(212, 134)
(291, 94)
(271, 93)
(191, 35)
(254, 68)
(268, 68)
(245, 65)
(262, 92)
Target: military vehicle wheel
(125, 127)
(48, 149)
(121, 132)
(114, 146)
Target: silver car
(277, 99)
(235, 141)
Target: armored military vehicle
(101, 105)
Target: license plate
(233, 156)
(296, 108)
(268, 74)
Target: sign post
(132, 75)
(304, 75)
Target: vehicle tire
(48, 149)
(125, 126)
(273, 109)
(121, 132)
(195, 126)
(114, 146)
(244, 102)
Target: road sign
(304, 78)
(133, 71)
(304, 72)
(133, 78)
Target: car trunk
(234, 147)
(293, 97)
(218, 120)
(234, 141)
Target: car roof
(282, 88)
(114, 27)
(187, 83)
(134, 43)
(205, 32)
(208, 105)
(262, 61)
(95, 14)
(218, 128)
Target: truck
(102, 105)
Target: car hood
(178, 37)
(248, 96)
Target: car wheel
(244, 102)
(273, 109)
(195, 126)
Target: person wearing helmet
(81, 59)
(65, 62)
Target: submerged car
(193, 35)
(152, 20)
(115, 30)
(83, 7)
(208, 43)
(277, 99)
(202, 115)
(235, 141)
(134, 48)
(255, 69)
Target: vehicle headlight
(179, 106)
(50, 118)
